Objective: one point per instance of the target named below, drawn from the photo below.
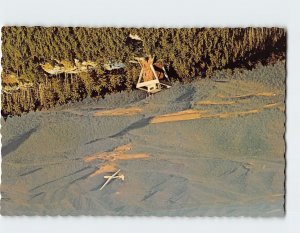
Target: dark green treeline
(189, 52)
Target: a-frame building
(152, 76)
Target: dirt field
(207, 148)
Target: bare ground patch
(202, 114)
(110, 158)
(119, 112)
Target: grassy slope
(207, 166)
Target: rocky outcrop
(58, 67)
(11, 82)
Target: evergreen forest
(30, 56)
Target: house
(153, 76)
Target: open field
(207, 148)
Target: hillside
(212, 147)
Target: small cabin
(153, 76)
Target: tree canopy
(189, 52)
